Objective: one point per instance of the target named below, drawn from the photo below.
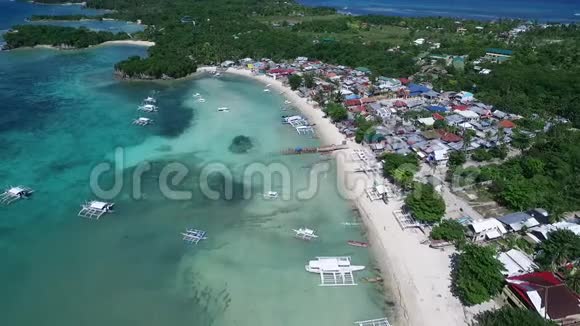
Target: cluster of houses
(390, 100)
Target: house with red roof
(459, 107)
(448, 136)
(546, 294)
(438, 116)
(353, 102)
(506, 124)
(400, 104)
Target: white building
(516, 262)
(419, 41)
(487, 229)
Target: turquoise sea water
(15, 12)
(62, 113)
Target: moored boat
(357, 243)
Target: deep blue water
(541, 10)
(15, 12)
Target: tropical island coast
(459, 135)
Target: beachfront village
(405, 135)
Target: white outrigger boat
(267, 90)
(223, 109)
(148, 108)
(149, 100)
(305, 234)
(95, 209)
(201, 100)
(287, 102)
(334, 271)
(196, 95)
(193, 236)
(271, 195)
(13, 194)
(142, 121)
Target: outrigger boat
(357, 243)
(193, 236)
(334, 271)
(13, 194)
(142, 121)
(223, 109)
(149, 100)
(196, 95)
(287, 102)
(305, 234)
(147, 108)
(201, 100)
(271, 195)
(267, 90)
(95, 209)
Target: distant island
(58, 37)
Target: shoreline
(116, 42)
(416, 278)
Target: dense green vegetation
(31, 35)
(336, 112)
(425, 203)
(511, 316)
(546, 175)
(477, 274)
(561, 247)
(400, 168)
(448, 230)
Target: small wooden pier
(310, 150)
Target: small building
(517, 221)
(516, 262)
(454, 119)
(468, 115)
(506, 124)
(426, 121)
(437, 108)
(419, 41)
(495, 52)
(487, 229)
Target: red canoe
(357, 243)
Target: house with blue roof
(416, 90)
(437, 108)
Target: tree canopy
(448, 230)
(561, 247)
(425, 203)
(336, 112)
(511, 316)
(477, 274)
(32, 35)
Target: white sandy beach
(415, 274)
(129, 42)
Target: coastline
(418, 277)
(117, 42)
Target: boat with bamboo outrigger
(305, 234)
(95, 209)
(13, 194)
(142, 121)
(193, 236)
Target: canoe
(357, 243)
